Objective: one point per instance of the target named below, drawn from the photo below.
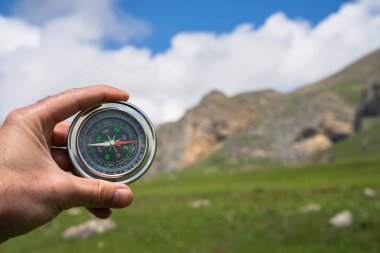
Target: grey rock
(369, 107)
(342, 219)
(293, 128)
(206, 127)
(311, 208)
(88, 229)
(200, 203)
(369, 192)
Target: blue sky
(169, 54)
(167, 18)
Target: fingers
(59, 107)
(101, 213)
(60, 132)
(93, 193)
(61, 157)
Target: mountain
(349, 82)
(205, 128)
(294, 127)
(267, 124)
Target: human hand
(34, 184)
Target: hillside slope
(281, 127)
(362, 145)
(293, 128)
(347, 83)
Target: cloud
(57, 46)
(16, 35)
(85, 18)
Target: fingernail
(122, 197)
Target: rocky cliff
(282, 127)
(369, 108)
(206, 127)
(294, 128)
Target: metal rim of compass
(83, 169)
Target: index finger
(57, 108)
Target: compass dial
(113, 141)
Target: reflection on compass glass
(112, 142)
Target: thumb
(94, 193)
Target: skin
(34, 184)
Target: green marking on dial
(98, 138)
(116, 129)
(126, 148)
(107, 157)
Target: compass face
(113, 141)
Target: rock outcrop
(205, 128)
(369, 107)
(294, 128)
(261, 125)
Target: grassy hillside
(349, 82)
(361, 145)
(254, 207)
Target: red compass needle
(118, 143)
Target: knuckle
(73, 92)
(16, 116)
(101, 198)
(57, 191)
(104, 86)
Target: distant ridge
(267, 124)
(348, 82)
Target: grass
(252, 209)
(350, 91)
(348, 83)
(362, 145)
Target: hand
(34, 184)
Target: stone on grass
(100, 244)
(311, 208)
(88, 229)
(369, 192)
(200, 202)
(342, 219)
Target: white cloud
(85, 18)
(16, 35)
(57, 45)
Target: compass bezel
(83, 169)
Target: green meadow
(246, 206)
(239, 205)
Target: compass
(112, 141)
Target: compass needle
(103, 144)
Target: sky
(168, 54)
